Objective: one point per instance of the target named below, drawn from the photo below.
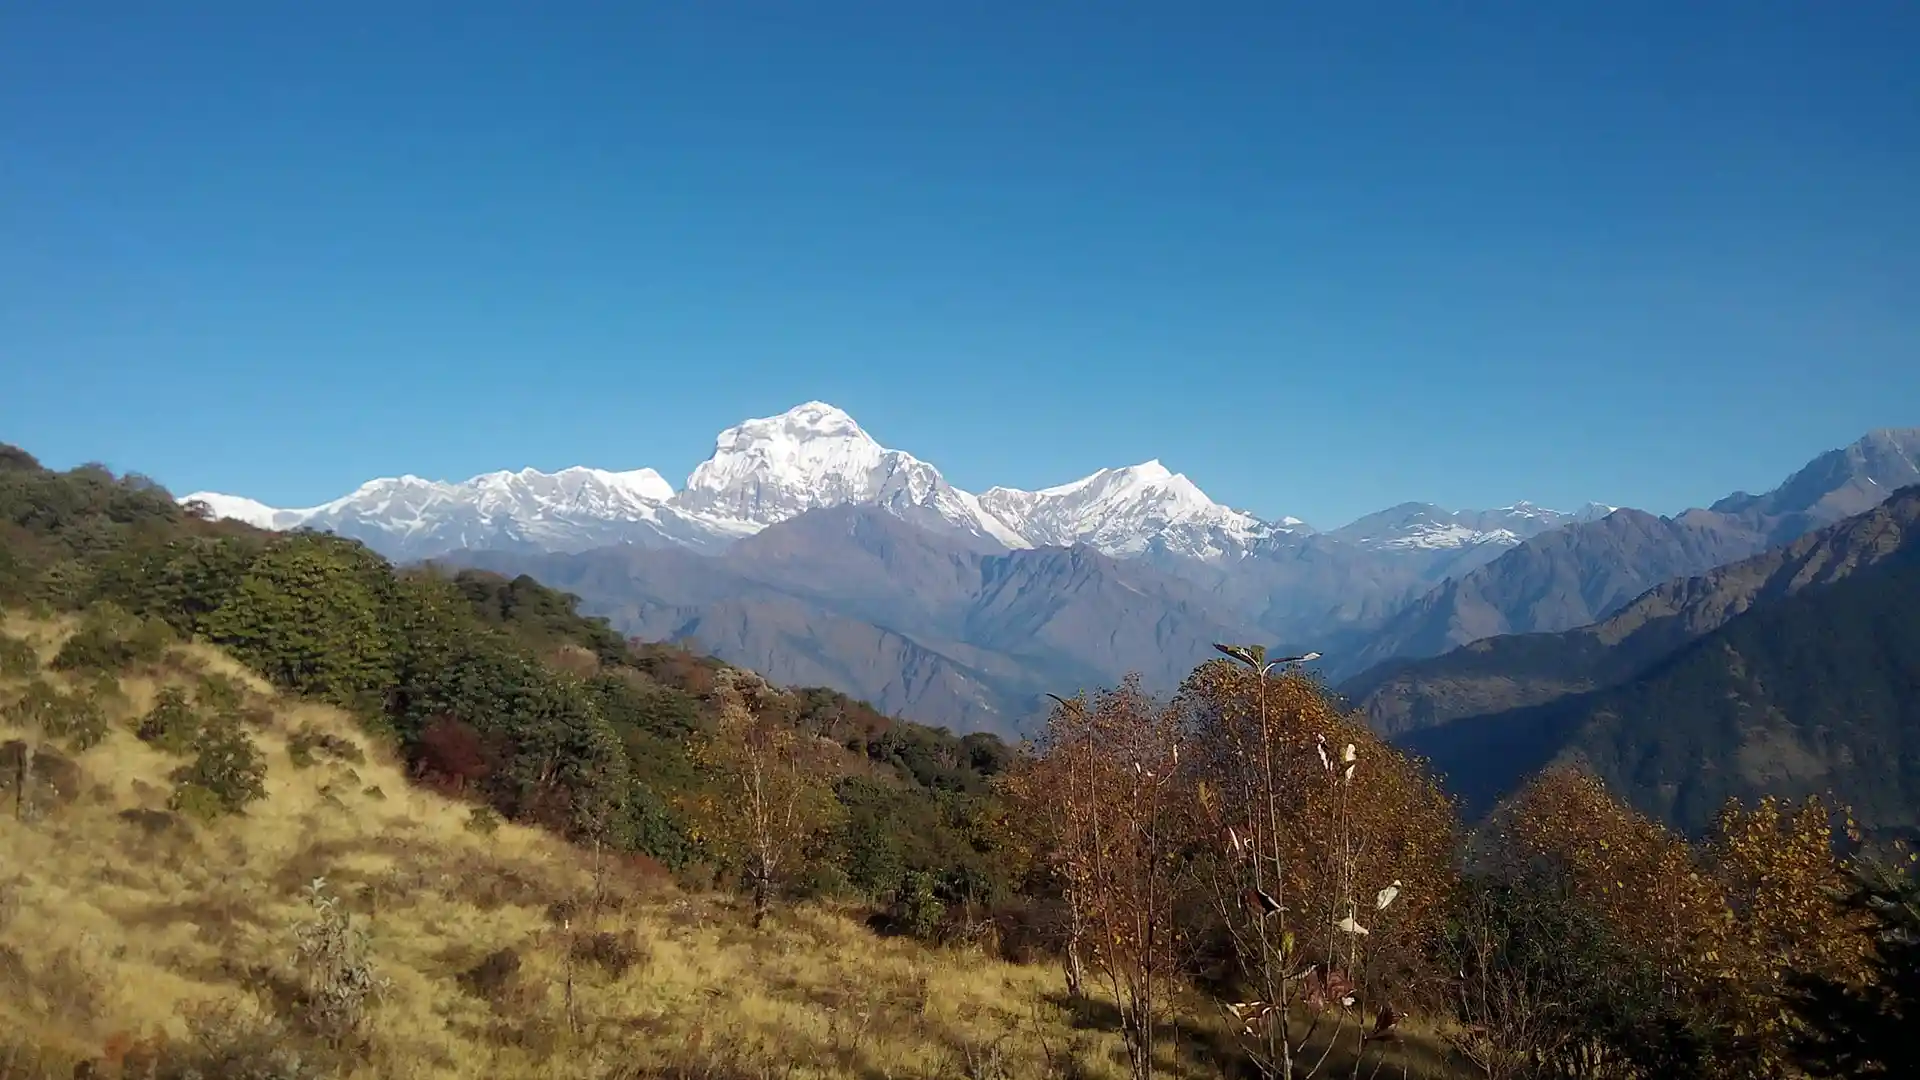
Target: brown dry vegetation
(146, 943)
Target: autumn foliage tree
(1723, 926)
(1330, 856)
(1783, 883)
(1852, 1029)
(1050, 792)
(770, 788)
(1106, 785)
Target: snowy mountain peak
(769, 469)
(1430, 527)
(237, 508)
(806, 445)
(1126, 511)
(819, 418)
(644, 485)
(809, 423)
(1149, 472)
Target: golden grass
(109, 930)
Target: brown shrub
(615, 953)
(33, 778)
(451, 756)
(493, 975)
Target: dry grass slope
(123, 926)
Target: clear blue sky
(1323, 258)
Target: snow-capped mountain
(770, 469)
(571, 510)
(1426, 527)
(767, 470)
(251, 511)
(1124, 511)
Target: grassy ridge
(119, 930)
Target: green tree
(183, 581)
(308, 614)
(227, 771)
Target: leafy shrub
(105, 691)
(653, 829)
(172, 725)
(150, 822)
(307, 615)
(337, 967)
(918, 910)
(450, 755)
(492, 975)
(227, 772)
(196, 802)
(110, 640)
(483, 821)
(228, 1044)
(75, 717)
(219, 693)
(1854, 1029)
(1540, 979)
(35, 778)
(17, 657)
(309, 744)
(823, 881)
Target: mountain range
(770, 470)
(1791, 673)
(804, 549)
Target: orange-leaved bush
(1331, 855)
(1726, 925)
(1104, 795)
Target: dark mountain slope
(1811, 692)
(1514, 671)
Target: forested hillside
(495, 686)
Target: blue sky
(1322, 258)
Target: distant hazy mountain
(1429, 527)
(1837, 484)
(915, 621)
(1790, 674)
(1579, 574)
